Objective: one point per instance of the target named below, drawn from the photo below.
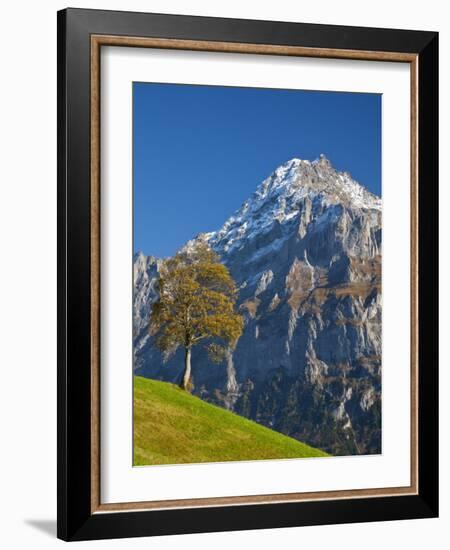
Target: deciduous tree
(196, 304)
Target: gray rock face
(305, 252)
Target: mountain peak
(322, 159)
(317, 176)
(279, 199)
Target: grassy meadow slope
(173, 427)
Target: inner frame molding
(96, 42)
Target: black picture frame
(75, 518)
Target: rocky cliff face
(305, 252)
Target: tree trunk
(187, 369)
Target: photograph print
(257, 300)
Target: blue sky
(200, 151)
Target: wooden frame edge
(414, 272)
(353, 494)
(95, 272)
(248, 48)
(261, 49)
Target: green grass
(172, 426)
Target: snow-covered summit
(279, 198)
(297, 177)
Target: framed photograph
(247, 253)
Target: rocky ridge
(305, 252)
